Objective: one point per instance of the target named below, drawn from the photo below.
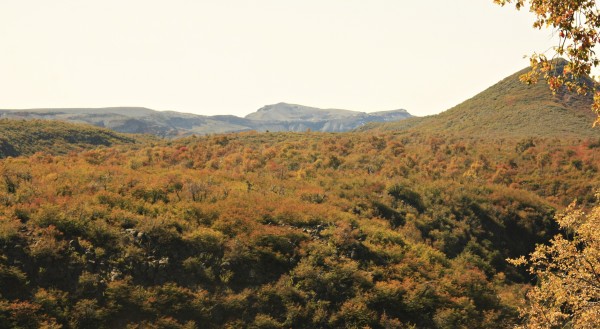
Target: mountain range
(277, 117)
(508, 108)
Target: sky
(235, 56)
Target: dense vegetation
(26, 137)
(508, 109)
(566, 295)
(283, 230)
(576, 25)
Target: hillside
(509, 108)
(282, 230)
(171, 124)
(26, 137)
(378, 229)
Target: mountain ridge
(289, 117)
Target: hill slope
(21, 137)
(275, 230)
(510, 108)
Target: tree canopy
(568, 271)
(577, 25)
(282, 230)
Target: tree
(568, 270)
(577, 24)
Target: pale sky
(235, 56)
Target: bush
(408, 196)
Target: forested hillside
(510, 108)
(283, 230)
(20, 137)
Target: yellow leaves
(596, 107)
(578, 27)
(518, 3)
(529, 78)
(517, 261)
(568, 270)
(571, 218)
(474, 170)
(204, 238)
(9, 229)
(48, 243)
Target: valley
(396, 224)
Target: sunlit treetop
(577, 24)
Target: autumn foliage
(576, 24)
(283, 230)
(568, 273)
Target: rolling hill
(278, 117)
(26, 137)
(510, 108)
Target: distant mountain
(135, 120)
(510, 108)
(298, 118)
(278, 117)
(26, 137)
(293, 112)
